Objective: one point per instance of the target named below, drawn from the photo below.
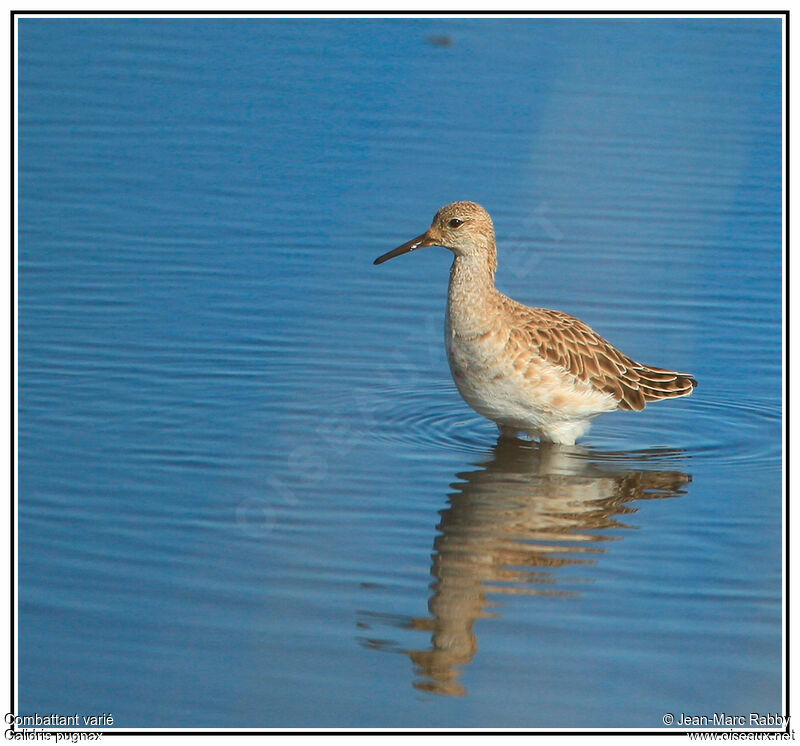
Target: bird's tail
(657, 383)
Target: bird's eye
(455, 222)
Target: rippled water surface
(249, 492)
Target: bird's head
(464, 228)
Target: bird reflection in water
(527, 511)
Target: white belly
(520, 391)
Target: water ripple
(713, 428)
(722, 431)
(423, 416)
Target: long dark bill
(414, 244)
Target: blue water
(249, 492)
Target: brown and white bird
(531, 370)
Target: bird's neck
(471, 290)
(472, 273)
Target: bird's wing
(565, 341)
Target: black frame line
(420, 13)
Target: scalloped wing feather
(566, 341)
